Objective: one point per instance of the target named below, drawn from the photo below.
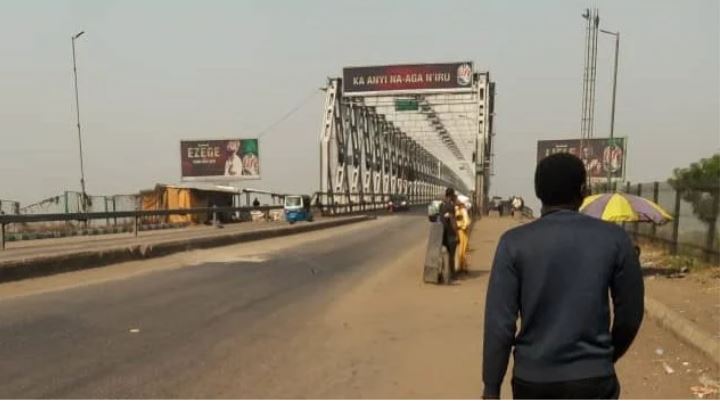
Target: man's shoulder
(596, 224)
(517, 233)
(569, 219)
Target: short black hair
(560, 179)
(449, 192)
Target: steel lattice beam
(365, 157)
(370, 149)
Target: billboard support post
(614, 92)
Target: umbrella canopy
(622, 207)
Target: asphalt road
(151, 335)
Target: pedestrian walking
(559, 271)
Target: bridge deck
(336, 313)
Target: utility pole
(612, 113)
(77, 109)
(587, 120)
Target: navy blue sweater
(556, 274)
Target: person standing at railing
(450, 227)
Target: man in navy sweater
(555, 274)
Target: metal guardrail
(7, 219)
(360, 207)
(334, 209)
(688, 233)
(360, 202)
(30, 218)
(370, 196)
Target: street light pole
(612, 113)
(77, 110)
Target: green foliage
(699, 185)
(680, 261)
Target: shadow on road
(471, 275)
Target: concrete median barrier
(54, 263)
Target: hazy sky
(155, 72)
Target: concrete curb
(127, 228)
(59, 263)
(683, 328)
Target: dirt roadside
(392, 336)
(694, 294)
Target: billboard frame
(469, 88)
(595, 179)
(219, 178)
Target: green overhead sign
(406, 104)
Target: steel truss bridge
(415, 143)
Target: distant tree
(699, 185)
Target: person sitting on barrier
(450, 227)
(557, 273)
(463, 224)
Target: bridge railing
(336, 205)
(7, 220)
(694, 231)
(351, 203)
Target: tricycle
(297, 208)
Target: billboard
(226, 160)
(599, 155)
(408, 78)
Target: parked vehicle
(398, 203)
(297, 208)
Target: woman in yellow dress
(463, 224)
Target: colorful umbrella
(622, 207)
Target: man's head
(450, 194)
(560, 181)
